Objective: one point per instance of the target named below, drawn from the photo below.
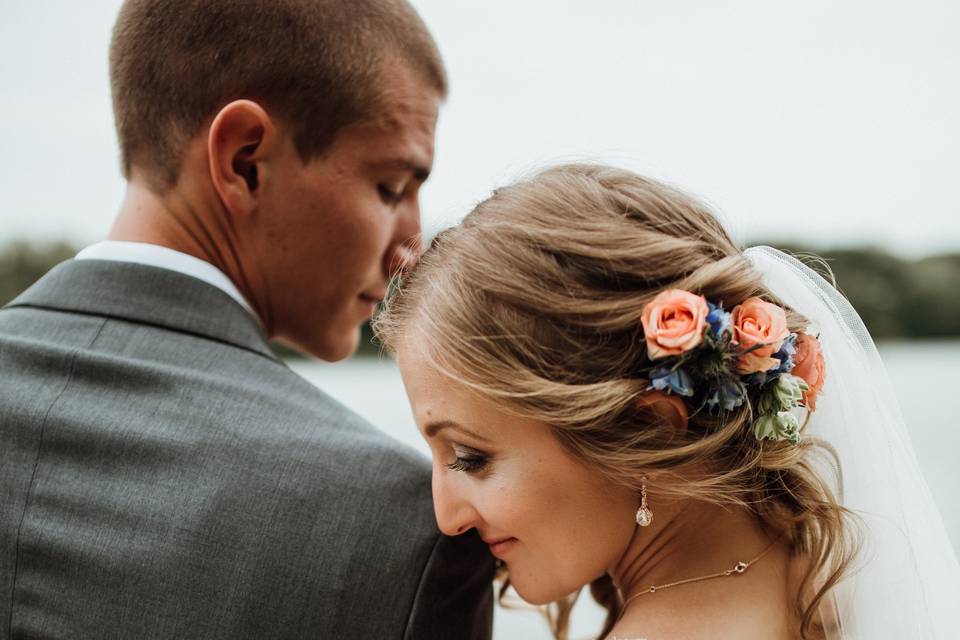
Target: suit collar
(155, 255)
(148, 295)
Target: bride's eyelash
(468, 464)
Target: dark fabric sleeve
(455, 595)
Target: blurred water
(924, 374)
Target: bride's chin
(538, 594)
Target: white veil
(906, 582)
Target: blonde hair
(534, 301)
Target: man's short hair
(316, 64)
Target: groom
(162, 473)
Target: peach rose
(674, 322)
(759, 324)
(808, 364)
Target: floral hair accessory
(761, 328)
(810, 365)
(717, 361)
(673, 323)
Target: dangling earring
(644, 515)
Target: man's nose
(407, 241)
(404, 256)
(455, 514)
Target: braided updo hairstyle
(534, 301)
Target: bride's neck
(687, 540)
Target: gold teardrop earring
(644, 514)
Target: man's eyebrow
(420, 171)
(433, 428)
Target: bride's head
(520, 342)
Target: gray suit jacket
(163, 475)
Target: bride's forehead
(438, 398)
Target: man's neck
(168, 221)
(188, 225)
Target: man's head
(289, 138)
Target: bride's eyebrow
(431, 429)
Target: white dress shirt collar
(156, 256)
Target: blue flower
(719, 320)
(729, 394)
(785, 355)
(671, 380)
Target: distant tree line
(897, 298)
(22, 264)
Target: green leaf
(782, 425)
(782, 394)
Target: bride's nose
(455, 513)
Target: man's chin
(337, 347)
(328, 347)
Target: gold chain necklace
(738, 569)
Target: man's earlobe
(238, 143)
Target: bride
(615, 395)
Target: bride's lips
(500, 546)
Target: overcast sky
(833, 122)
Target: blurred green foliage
(22, 264)
(897, 298)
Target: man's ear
(241, 137)
(665, 408)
